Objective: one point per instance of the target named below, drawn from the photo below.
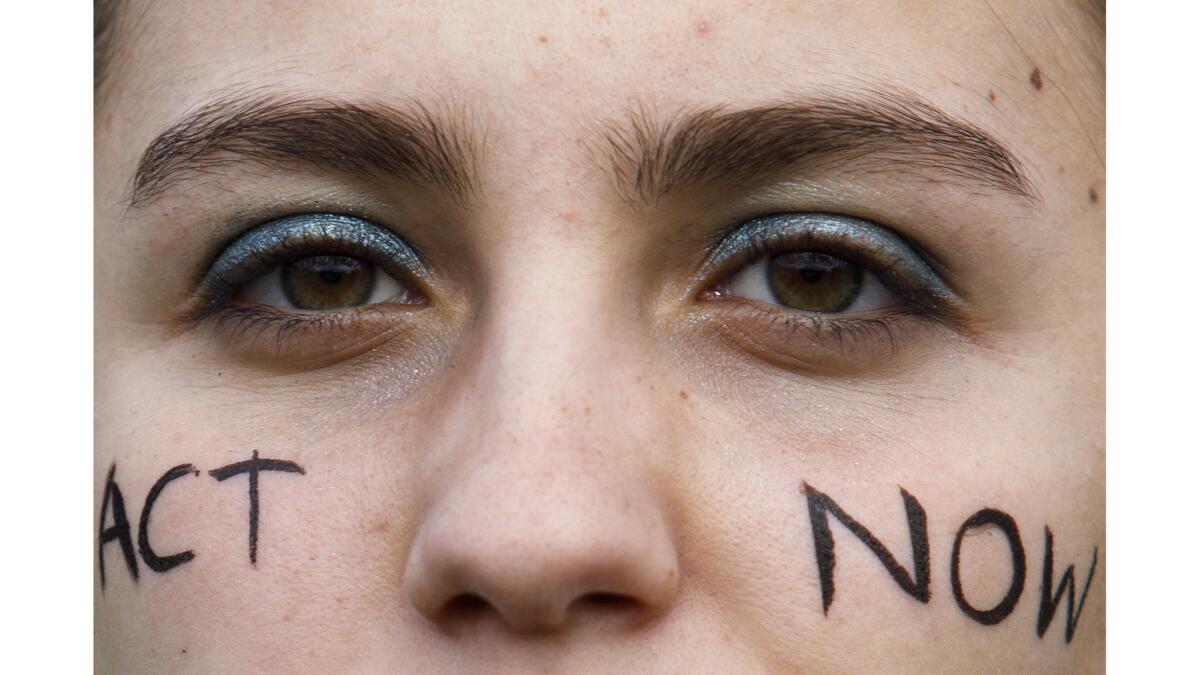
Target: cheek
(729, 461)
(330, 547)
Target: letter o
(1007, 525)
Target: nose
(544, 512)
(573, 558)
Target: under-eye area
(338, 281)
(801, 287)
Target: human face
(547, 389)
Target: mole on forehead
(704, 28)
(371, 30)
(360, 51)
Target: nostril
(554, 570)
(602, 601)
(465, 605)
(468, 609)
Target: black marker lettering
(154, 562)
(819, 508)
(253, 466)
(1007, 525)
(120, 527)
(1066, 585)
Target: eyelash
(263, 331)
(756, 246)
(845, 332)
(746, 244)
(240, 320)
(292, 238)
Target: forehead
(546, 67)
(562, 50)
(654, 43)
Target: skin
(558, 423)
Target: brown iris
(328, 282)
(814, 282)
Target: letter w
(1066, 585)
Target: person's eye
(311, 272)
(325, 282)
(809, 281)
(820, 281)
(315, 262)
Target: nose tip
(541, 579)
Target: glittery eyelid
(892, 259)
(265, 246)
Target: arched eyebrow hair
(408, 141)
(876, 131)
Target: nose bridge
(559, 336)
(550, 502)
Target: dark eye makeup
(801, 287)
(831, 253)
(834, 276)
(313, 262)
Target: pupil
(811, 276)
(330, 276)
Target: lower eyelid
(812, 342)
(303, 340)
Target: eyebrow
(408, 141)
(876, 131)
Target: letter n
(819, 508)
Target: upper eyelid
(912, 269)
(251, 254)
(254, 246)
(738, 242)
